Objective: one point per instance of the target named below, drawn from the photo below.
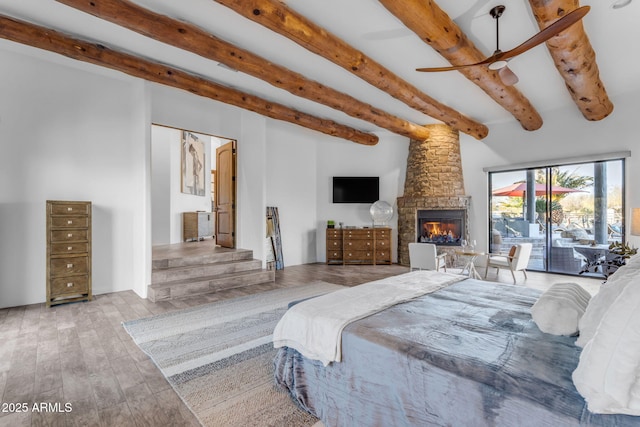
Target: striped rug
(219, 357)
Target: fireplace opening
(442, 227)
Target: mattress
(466, 355)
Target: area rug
(219, 357)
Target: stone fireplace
(433, 207)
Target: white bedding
(314, 327)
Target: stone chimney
(433, 182)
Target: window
(570, 213)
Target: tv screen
(356, 189)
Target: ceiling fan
(498, 60)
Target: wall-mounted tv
(356, 189)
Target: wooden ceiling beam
(278, 17)
(194, 39)
(574, 58)
(53, 41)
(434, 27)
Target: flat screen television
(356, 189)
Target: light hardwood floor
(80, 353)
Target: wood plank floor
(80, 353)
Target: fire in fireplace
(442, 227)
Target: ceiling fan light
(497, 65)
(507, 76)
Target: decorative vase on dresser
(68, 252)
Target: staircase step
(213, 257)
(204, 270)
(203, 285)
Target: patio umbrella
(518, 189)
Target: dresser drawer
(69, 248)
(69, 236)
(334, 244)
(383, 233)
(69, 222)
(333, 233)
(358, 234)
(382, 244)
(69, 265)
(383, 256)
(358, 245)
(70, 285)
(67, 208)
(358, 256)
(334, 255)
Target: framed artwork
(193, 176)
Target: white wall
(387, 159)
(292, 189)
(67, 133)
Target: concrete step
(208, 284)
(199, 258)
(188, 272)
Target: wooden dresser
(68, 252)
(359, 246)
(197, 225)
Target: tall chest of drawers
(359, 246)
(68, 252)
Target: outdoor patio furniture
(564, 260)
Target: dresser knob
(69, 234)
(69, 222)
(69, 248)
(69, 209)
(70, 285)
(69, 265)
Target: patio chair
(516, 260)
(424, 256)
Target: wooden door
(226, 195)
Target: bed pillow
(607, 294)
(559, 309)
(608, 373)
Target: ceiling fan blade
(553, 29)
(507, 76)
(489, 60)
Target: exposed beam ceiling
(429, 22)
(315, 58)
(192, 38)
(575, 59)
(53, 41)
(280, 18)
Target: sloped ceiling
(369, 27)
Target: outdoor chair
(516, 260)
(424, 256)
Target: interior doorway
(169, 200)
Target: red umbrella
(518, 189)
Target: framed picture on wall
(193, 176)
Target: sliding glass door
(570, 213)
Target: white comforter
(314, 327)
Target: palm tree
(567, 179)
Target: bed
(468, 354)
